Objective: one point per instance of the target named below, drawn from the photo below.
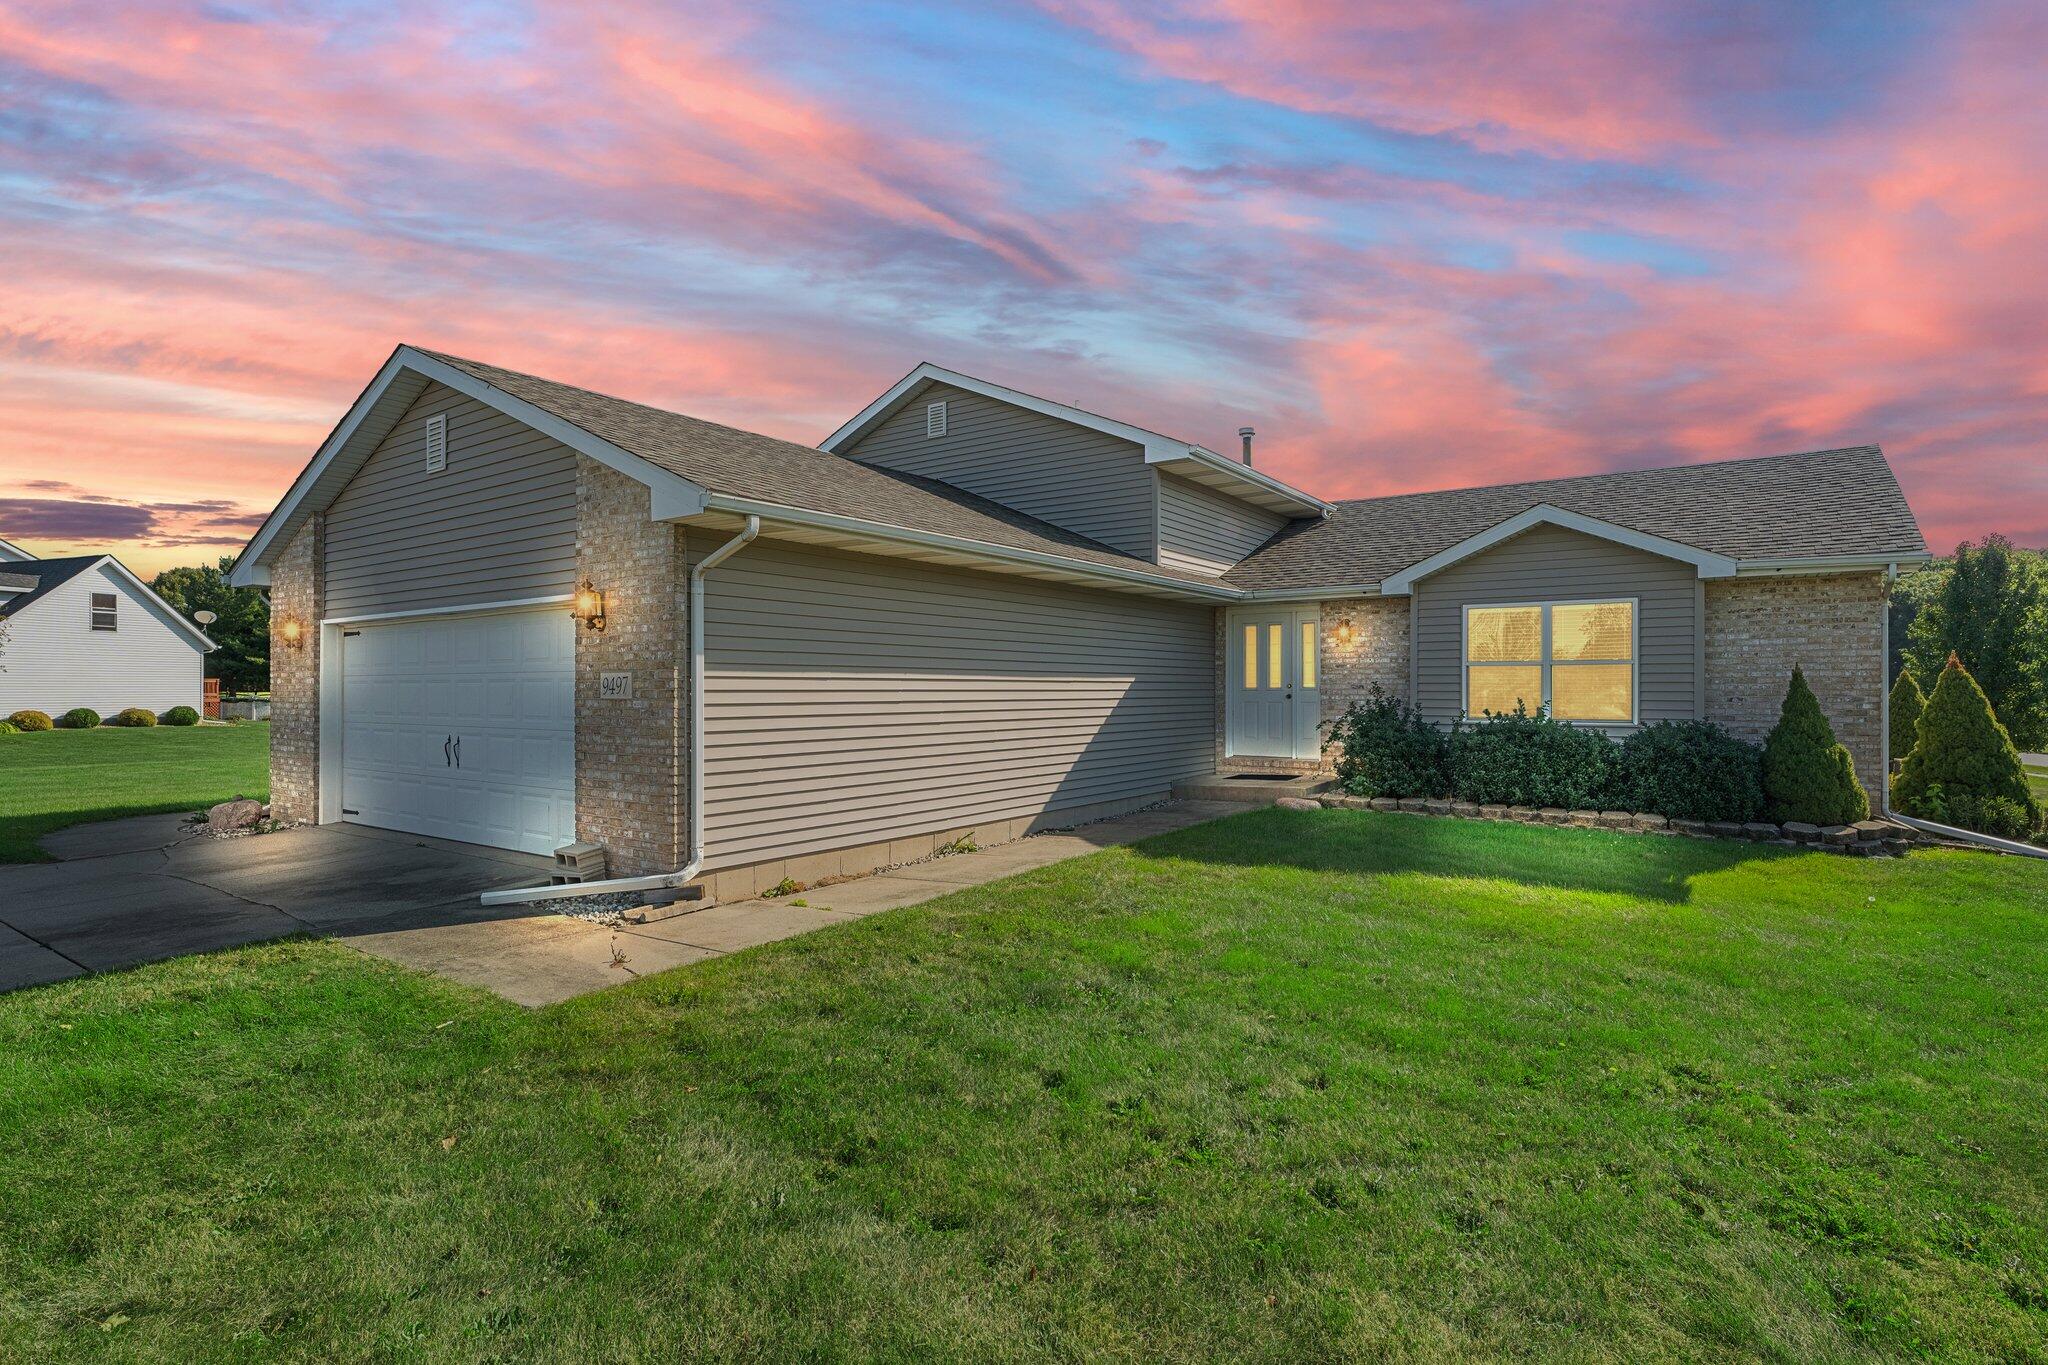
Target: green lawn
(66, 777)
(1316, 1086)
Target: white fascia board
(671, 495)
(13, 554)
(981, 549)
(1310, 594)
(1708, 565)
(1752, 568)
(1309, 503)
(148, 594)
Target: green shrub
(135, 717)
(179, 715)
(1688, 770)
(1965, 767)
(1530, 760)
(79, 718)
(8, 727)
(1807, 775)
(29, 721)
(1908, 701)
(1385, 749)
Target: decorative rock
(1897, 847)
(1583, 819)
(1872, 829)
(1696, 828)
(1839, 834)
(1649, 822)
(1724, 829)
(1468, 809)
(1760, 830)
(1341, 802)
(1493, 812)
(233, 815)
(1414, 804)
(1522, 812)
(1437, 807)
(1384, 803)
(1801, 831)
(1554, 815)
(1615, 819)
(1297, 803)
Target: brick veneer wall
(297, 593)
(629, 754)
(1831, 626)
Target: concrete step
(1250, 789)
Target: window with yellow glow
(1577, 658)
(1251, 658)
(1276, 656)
(1308, 654)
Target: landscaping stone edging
(1864, 839)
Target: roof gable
(52, 574)
(1819, 506)
(12, 554)
(1183, 457)
(1708, 565)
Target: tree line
(1987, 604)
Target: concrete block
(1725, 829)
(1760, 830)
(1800, 831)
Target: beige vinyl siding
(851, 699)
(498, 524)
(1206, 531)
(1551, 564)
(1090, 483)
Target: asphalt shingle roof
(749, 465)
(48, 574)
(1817, 505)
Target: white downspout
(683, 875)
(1884, 740)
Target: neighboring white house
(85, 631)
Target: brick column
(1831, 626)
(629, 754)
(298, 592)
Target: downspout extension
(1884, 737)
(660, 881)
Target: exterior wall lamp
(588, 606)
(1345, 634)
(291, 632)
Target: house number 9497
(615, 686)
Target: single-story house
(85, 631)
(528, 614)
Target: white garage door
(462, 728)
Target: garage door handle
(458, 751)
(445, 759)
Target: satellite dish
(205, 618)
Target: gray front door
(1272, 697)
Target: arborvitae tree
(1964, 760)
(1908, 701)
(1992, 609)
(1807, 775)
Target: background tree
(1808, 775)
(1908, 701)
(1990, 609)
(1965, 770)
(242, 663)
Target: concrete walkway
(135, 891)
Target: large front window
(1577, 658)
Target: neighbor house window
(104, 612)
(1577, 658)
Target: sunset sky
(1417, 245)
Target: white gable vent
(934, 419)
(437, 443)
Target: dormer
(1151, 496)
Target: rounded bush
(30, 721)
(1688, 770)
(1386, 749)
(79, 718)
(135, 717)
(8, 727)
(179, 715)
(1530, 760)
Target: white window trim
(112, 609)
(935, 420)
(1545, 663)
